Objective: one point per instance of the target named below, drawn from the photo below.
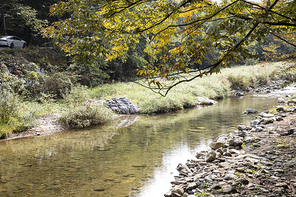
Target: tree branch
(287, 24)
(212, 67)
(283, 39)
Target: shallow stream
(136, 156)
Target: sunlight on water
(164, 174)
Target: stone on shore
(123, 105)
(205, 101)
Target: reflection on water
(137, 159)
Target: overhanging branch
(283, 39)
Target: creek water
(136, 156)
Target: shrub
(78, 93)
(9, 103)
(86, 114)
(14, 116)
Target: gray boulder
(122, 105)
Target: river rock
(239, 94)
(192, 185)
(267, 120)
(220, 142)
(267, 115)
(254, 123)
(200, 154)
(216, 145)
(240, 133)
(205, 101)
(228, 189)
(230, 176)
(178, 190)
(291, 109)
(236, 142)
(291, 102)
(211, 156)
(241, 127)
(122, 105)
(283, 184)
(280, 109)
(183, 168)
(251, 111)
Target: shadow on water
(137, 156)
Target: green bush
(78, 93)
(12, 117)
(84, 115)
(9, 103)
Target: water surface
(137, 158)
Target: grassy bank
(185, 95)
(78, 113)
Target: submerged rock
(251, 111)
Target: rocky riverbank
(255, 160)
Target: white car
(12, 42)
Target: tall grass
(17, 115)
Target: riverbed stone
(267, 120)
(282, 184)
(216, 186)
(220, 142)
(254, 123)
(239, 94)
(241, 127)
(230, 176)
(216, 145)
(200, 154)
(178, 190)
(251, 111)
(191, 186)
(183, 168)
(291, 109)
(211, 156)
(236, 142)
(228, 189)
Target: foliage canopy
(180, 33)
